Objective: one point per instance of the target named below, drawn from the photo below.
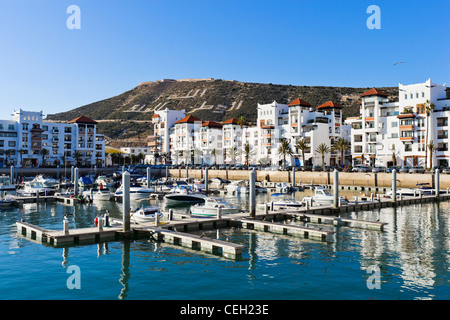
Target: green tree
(284, 149)
(323, 149)
(341, 145)
(432, 148)
(429, 107)
(302, 145)
(44, 152)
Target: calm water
(412, 255)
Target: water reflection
(412, 253)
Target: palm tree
(323, 149)
(429, 107)
(302, 145)
(284, 149)
(247, 152)
(22, 152)
(213, 153)
(77, 155)
(342, 145)
(432, 147)
(44, 152)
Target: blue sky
(45, 66)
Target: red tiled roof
(330, 104)
(83, 119)
(189, 119)
(299, 102)
(155, 116)
(374, 92)
(231, 121)
(212, 124)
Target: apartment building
(208, 143)
(163, 121)
(397, 132)
(23, 139)
(182, 140)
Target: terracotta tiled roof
(299, 102)
(231, 121)
(212, 124)
(83, 119)
(330, 104)
(374, 92)
(155, 116)
(189, 119)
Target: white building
(388, 133)
(163, 121)
(208, 143)
(182, 140)
(23, 139)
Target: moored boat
(210, 207)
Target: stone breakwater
(369, 179)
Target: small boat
(286, 203)
(408, 192)
(209, 208)
(85, 182)
(239, 186)
(7, 202)
(425, 188)
(136, 192)
(33, 189)
(185, 194)
(105, 181)
(282, 187)
(46, 182)
(322, 196)
(98, 194)
(5, 184)
(146, 214)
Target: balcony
(406, 128)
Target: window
(423, 94)
(406, 97)
(11, 127)
(11, 144)
(394, 124)
(408, 147)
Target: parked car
(397, 168)
(360, 168)
(317, 168)
(378, 169)
(416, 169)
(446, 170)
(404, 169)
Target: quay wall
(369, 179)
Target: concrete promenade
(369, 179)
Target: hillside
(208, 99)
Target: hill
(207, 99)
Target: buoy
(96, 221)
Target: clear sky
(46, 66)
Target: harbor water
(409, 260)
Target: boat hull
(211, 212)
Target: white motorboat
(409, 192)
(322, 196)
(209, 208)
(235, 187)
(105, 181)
(136, 192)
(32, 189)
(146, 214)
(5, 184)
(46, 182)
(185, 194)
(7, 202)
(282, 187)
(285, 203)
(98, 194)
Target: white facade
(163, 120)
(23, 138)
(389, 133)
